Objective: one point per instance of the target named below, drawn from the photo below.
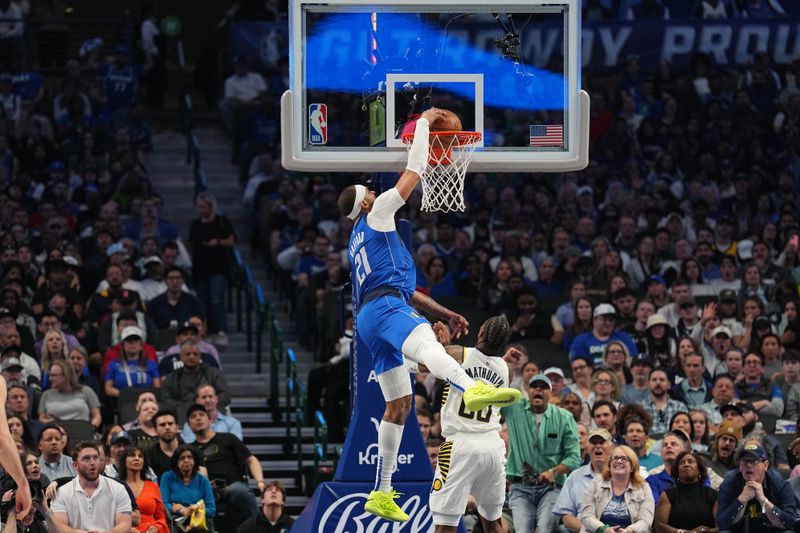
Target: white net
(443, 179)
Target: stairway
(172, 178)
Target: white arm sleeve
(418, 154)
(381, 216)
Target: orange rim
(463, 138)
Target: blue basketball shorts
(384, 324)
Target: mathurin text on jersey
(355, 242)
(484, 374)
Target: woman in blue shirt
(183, 486)
(132, 368)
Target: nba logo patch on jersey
(317, 124)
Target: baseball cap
(585, 189)
(729, 428)
(602, 433)
(193, 408)
(727, 295)
(71, 261)
(642, 360)
(10, 364)
(604, 309)
(739, 407)
(6, 312)
(121, 435)
(656, 320)
(722, 330)
(745, 249)
(11, 349)
(544, 379)
(762, 321)
(116, 248)
(725, 218)
(131, 331)
(152, 259)
(188, 326)
(553, 370)
(753, 449)
(572, 251)
(655, 278)
(686, 300)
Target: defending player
(383, 277)
(472, 459)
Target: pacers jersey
(380, 258)
(454, 415)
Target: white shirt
(95, 513)
(246, 88)
(148, 34)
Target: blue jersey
(27, 84)
(378, 255)
(121, 84)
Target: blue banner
(360, 451)
(730, 42)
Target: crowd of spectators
(660, 282)
(115, 388)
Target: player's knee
(420, 342)
(397, 411)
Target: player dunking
(383, 277)
(472, 460)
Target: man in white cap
(600, 444)
(383, 279)
(556, 376)
(592, 343)
(720, 343)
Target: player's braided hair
(496, 334)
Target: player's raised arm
(418, 154)
(429, 306)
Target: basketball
(449, 122)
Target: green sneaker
(382, 504)
(481, 395)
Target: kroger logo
(347, 515)
(370, 455)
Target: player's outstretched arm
(428, 306)
(418, 155)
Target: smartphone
(795, 241)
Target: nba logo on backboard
(317, 124)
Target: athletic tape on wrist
(361, 192)
(418, 154)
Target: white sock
(389, 437)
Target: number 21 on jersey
(362, 268)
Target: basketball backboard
(360, 71)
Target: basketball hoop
(449, 155)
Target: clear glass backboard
(361, 72)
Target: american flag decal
(548, 135)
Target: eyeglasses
(603, 381)
(619, 459)
(752, 363)
(749, 462)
